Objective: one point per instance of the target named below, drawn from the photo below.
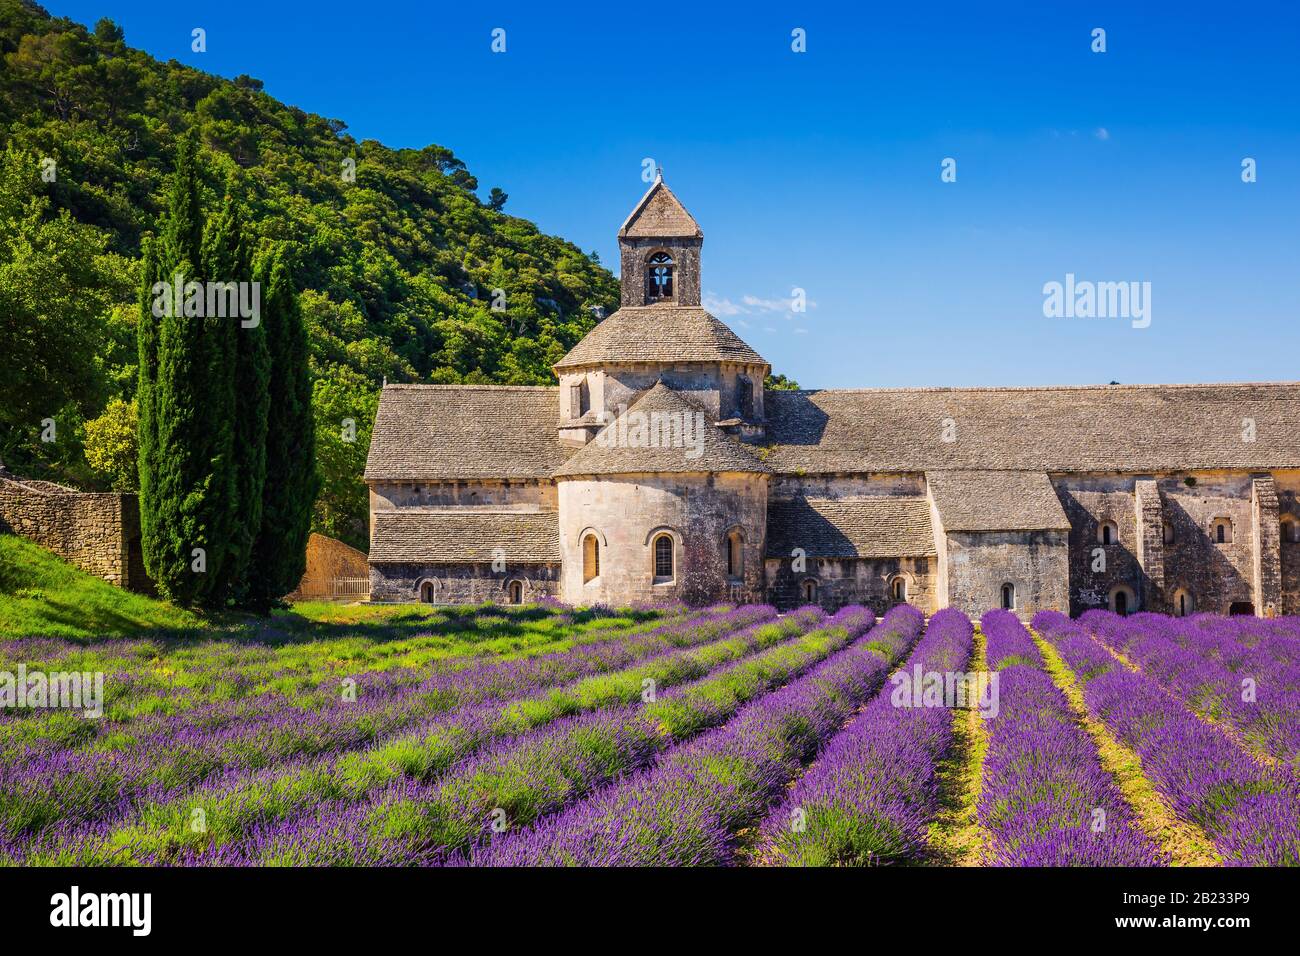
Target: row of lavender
(1249, 811)
(242, 756)
(1243, 672)
(237, 804)
(874, 790)
(690, 806)
(285, 688)
(1045, 798)
(517, 779)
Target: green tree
(111, 446)
(56, 289)
(280, 551)
(227, 260)
(186, 399)
(344, 404)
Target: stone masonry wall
(1288, 502)
(97, 533)
(627, 512)
(1036, 563)
(842, 581)
(462, 583)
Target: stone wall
(635, 256)
(842, 581)
(462, 583)
(1036, 563)
(626, 513)
(97, 533)
(712, 386)
(528, 495)
(329, 561)
(1288, 504)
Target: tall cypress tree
(187, 496)
(227, 258)
(280, 551)
(146, 336)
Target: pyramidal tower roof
(661, 433)
(660, 214)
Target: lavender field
(726, 736)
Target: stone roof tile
(464, 432)
(660, 333)
(454, 536)
(879, 526)
(996, 501)
(660, 214)
(1125, 428)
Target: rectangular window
(575, 401)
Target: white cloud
(1102, 133)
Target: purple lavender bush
(1045, 797)
(1252, 813)
(687, 809)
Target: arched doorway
(1123, 600)
(515, 592)
(1008, 597)
(808, 591)
(428, 592)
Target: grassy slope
(42, 596)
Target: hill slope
(40, 595)
(398, 257)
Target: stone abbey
(660, 469)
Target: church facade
(660, 469)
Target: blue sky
(821, 170)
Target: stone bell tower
(660, 248)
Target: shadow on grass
(284, 627)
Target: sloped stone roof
(660, 214)
(996, 501)
(453, 536)
(1123, 428)
(682, 440)
(660, 333)
(465, 432)
(879, 526)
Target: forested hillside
(397, 256)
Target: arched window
(663, 547)
(898, 589)
(744, 397)
(659, 277)
(1008, 597)
(1107, 533)
(515, 591)
(1169, 533)
(590, 558)
(428, 592)
(1290, 530)
(808, 590)
(1183, 604)
(1221, 531)
(735, 555)
(1122, 600)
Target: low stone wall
(330, 563)
(98, 533)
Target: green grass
(42, 596)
